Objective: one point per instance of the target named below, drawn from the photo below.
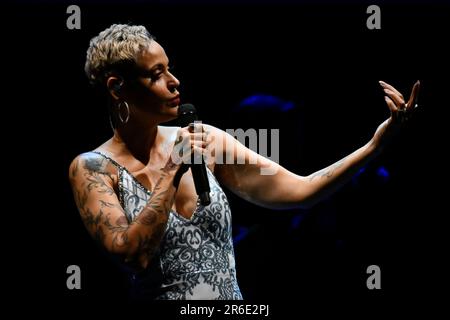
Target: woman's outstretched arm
(284, 189)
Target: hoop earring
(111, 123)
(119, 106)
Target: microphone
(186, 115)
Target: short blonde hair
(114, 47)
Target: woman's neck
(138, 138)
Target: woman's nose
(173, 83)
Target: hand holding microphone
(187, 115)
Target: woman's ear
(114, 85)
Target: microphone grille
(186, 114)
(186, 108)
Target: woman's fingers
(198, 136)
(397, 99)
(392, 107)
(388, 86)
(195, 127)
(195, 142)
(400, 111)
(414, 96)
(198, 133)
(193, 154)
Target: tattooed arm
(135, 243)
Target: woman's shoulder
(92, 162)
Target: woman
(136, 197)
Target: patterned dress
(196, 256)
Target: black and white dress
(196, 255)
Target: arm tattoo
(117, 232)
(104, 204)
(157, 207)
(101, 225)
(95, 173)
(94, 223)
(155, 216)
(94, 164)
(328, 172)
(180, 138)
(95, 181)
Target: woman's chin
(170, 113)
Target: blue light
(241, 234)
(289, 105)
(361, 171)
(383, 173)
(266, 102)
(355, 178)
(296, 220)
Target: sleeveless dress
(196, 256)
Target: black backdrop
(320, 57)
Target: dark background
(323, 59)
